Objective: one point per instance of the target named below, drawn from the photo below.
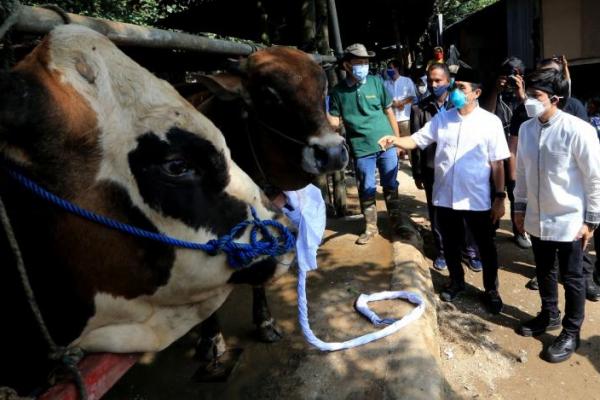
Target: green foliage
(141, 12)
(457, 10)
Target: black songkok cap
(468, 75)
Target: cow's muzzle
(318, 159)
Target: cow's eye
(271, 96)
(176, 168)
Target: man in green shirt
(365, 107)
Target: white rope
(308, 213)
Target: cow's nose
(330, 158)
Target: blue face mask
(390, 72)
(360, 71)
(458, 98)
(440, 90)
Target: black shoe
(493, 302)
(562, 347)
(450, 292)
(533, 284)
(592, 291)
(540, 324)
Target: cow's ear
(85, 69)
(225, 86)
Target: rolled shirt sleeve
(334, 105)
(386, 97)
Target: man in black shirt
(508, 95)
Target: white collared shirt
(400, 89)
(558, 176)
(466, 147)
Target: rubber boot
(392, 200)
(370, 212)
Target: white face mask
(534, 107)
(422, 89)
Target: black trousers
(510, 189)
(468, 246)
(570, 265)
(452, 224)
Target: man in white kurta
(470, 150)
(557, 201)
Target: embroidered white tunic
(558, 176)
(466, 146)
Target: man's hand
(520, 88)
(519, 220)
(419, 184)
(387, 141)
(585, 234)
(398, 104)
(497, 210)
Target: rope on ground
(68, 357)
(393, 325)
(306, 209)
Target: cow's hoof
(218, 370)
(210, 349)
(269, 332)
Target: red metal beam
(100, 372)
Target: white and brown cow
(83, 120)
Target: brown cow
(86, 122)
(272, 114)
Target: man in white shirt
(402, 91)
(470, 149)
(557, 201)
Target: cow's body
(86, 122)
(272, 115)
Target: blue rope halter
(238, 254)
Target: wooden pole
(41, 21)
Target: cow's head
(85, 121)
(284, 91)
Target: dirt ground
(291, 368)
(482, 357)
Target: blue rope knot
(239, 255)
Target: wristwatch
(500, 195)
